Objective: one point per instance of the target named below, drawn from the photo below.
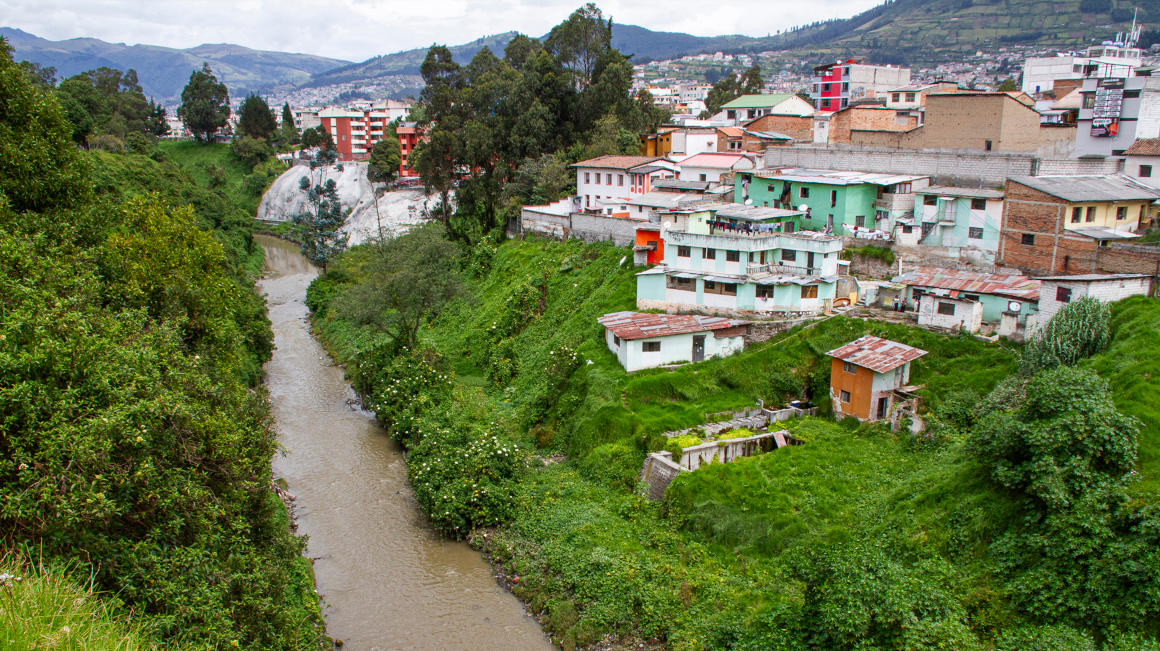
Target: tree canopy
(205, 104)
(107, 102)
(255, 119)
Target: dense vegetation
(136, 438)
(1025, 520)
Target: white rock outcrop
(397, 210)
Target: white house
(948, 312)
(643, 340)
(1142, 161)
(966, 219)
(1057, 291)
(749, 107)
(710, 166)
(618, 178)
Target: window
(844, 396)
(734, 144)
(732, 256)
(809, 291)
(1089, 100)
(620, 179)
(686, 284)
(1121, 213)
(896, 97)
(731, 114)
(946, 308)
(826, 103)
(1145, 171)
(752, 113)
(1131, 94)
(1077, 67)
(1076, 215)
(860, 221)
(788, 255)
(703, 178)
(651, 347)
(907, 229)
(608, 178)
(978, 204)
(615, 340)
(789, 227)
(587, 177)
(833, 198)
(910, 97)
(1028, 239)
(587, 200)
(975, 233)
(987, 145)
(764, 291)
(1091, 214)
(849, 368)
(845, 102)
(597, 178)
(729, 289)
(804, 192)
(684, 252)
(825, 88)
(930, 200)
(1063, 294)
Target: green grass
(196, 160)
(49, 609)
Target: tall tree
(318, 226)
(383, 166)
(437, 158)
(110, 102)
(580, 42)
(289, 133)
(205, 104)
(255, 119)
(751, 81)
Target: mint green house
(841, 202)
(732, 258)
(965, 220)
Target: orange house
(865, 375)
(649, 240)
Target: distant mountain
(163, 71)
(645, 43)
(407, 62)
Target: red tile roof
(616, 162)
(639, 325)
(1144, 147)
(732, 132)
(957, 280)
(878, 355)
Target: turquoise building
(839, 201)
(732, 257)
(966, 220)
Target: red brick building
(1074, 224)
(355, 132)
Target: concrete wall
(968, 315)
(590, 228)
(675, 349)
(945, 166)
(1104, 290)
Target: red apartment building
(355, 132)
(838, 84)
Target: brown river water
(387, 580)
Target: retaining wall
(590, 228)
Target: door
(698, 348)
(883, 404)
(810, 262)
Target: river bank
(386, 578)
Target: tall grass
(46, 608)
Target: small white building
(1057, 291)
(618, 178)
(709, 166)
(947, 312)
(643, 340)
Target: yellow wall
(1106, 215)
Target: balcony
(783, 269)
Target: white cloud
(358, 29)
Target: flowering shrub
(465, 480)
(401, 389)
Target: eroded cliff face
(397, 210)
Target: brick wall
(864, 118)
(797, 127)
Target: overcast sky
(356, 30)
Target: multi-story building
(750, 107)
(735, 258)
(837, 84)
(1110, 59)
(618, 178)
(967, 220)
(408, 140)
(355, 131)
(841, 202)
(1114, 113)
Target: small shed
(1057, 291)
(644, 340)
(869, 375)
(947, 312)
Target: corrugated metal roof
(754, 213)
(947, 191)
(1092, 277)
(642, 325)
(1015, 286)
(721, 160)
(1099, 233)
(1108, 187)
(878, 355)
(834, 177)
(674, 184)
(757, 101)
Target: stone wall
(962, 167)
(658, 472)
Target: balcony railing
(783, 269)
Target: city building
(1040, 74)
(1057, 291)
(951, 313)
(798, 127)
(355, 131)
(643, 340)
(843, 126)
(749, 107)
(1142, 161)
(408, 139)
(709, 167)
(618, 177)
(839, 201)
(967, 219)
(838, 84)
(997, 294)
(869, 375)
(1114, 113)
(735, 258)
(1060, 224)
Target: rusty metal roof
(878, 355)
(958, 280)
(616, 162)
(641, 325)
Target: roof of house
(834, 177)
(1070, 101)
(1091, 277)
(617, 162)
(732, 132)
(720, 160)
(662, 199)
(878, 355)
(958, 280)
(771, 135)
(753, 213)
(1103, 233)
(947, 191)
(641, 325)
(676, 184)
(1144, 147)
(1105, 187)
(757, 101)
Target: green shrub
(1078, 330)
(612, 463)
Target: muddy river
(388, 581)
